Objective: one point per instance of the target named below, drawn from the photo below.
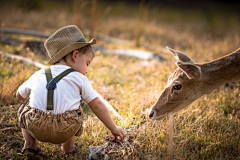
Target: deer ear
(192, 71)
(180, 57)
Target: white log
(145, 55)
(25, 60)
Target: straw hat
(64, 41)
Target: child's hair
(82, 50)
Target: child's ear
(75, 55)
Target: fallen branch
(46, 35)
(145, 55)
(25, 32)
(23, 59)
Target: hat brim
(63, 52)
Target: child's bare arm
(101, 111)
(20, 97)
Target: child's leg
(30, 142)
(68, 146)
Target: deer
(191, 80)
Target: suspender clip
(49, 113)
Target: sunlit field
(207, 129)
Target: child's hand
(118, 131)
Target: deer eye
(177, 87)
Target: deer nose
(151, 114)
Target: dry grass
(208, 129)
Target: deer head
(183, 87)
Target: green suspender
(50, 91)
(51, 84)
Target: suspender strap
(64, 73)
(50, 91)
(48, 74)
(52, 84)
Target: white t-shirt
(70, 90)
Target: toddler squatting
(53, 112)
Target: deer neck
(221, 71)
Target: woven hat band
(82, 40)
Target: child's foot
(71, 150)
(30, 151)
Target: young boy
(53, 113)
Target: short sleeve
(24, 90)
(88, 93)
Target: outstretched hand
(118, 131)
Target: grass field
(208, 129)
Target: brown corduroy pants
(56, 129)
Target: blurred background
(149, 24)
(204, 30)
